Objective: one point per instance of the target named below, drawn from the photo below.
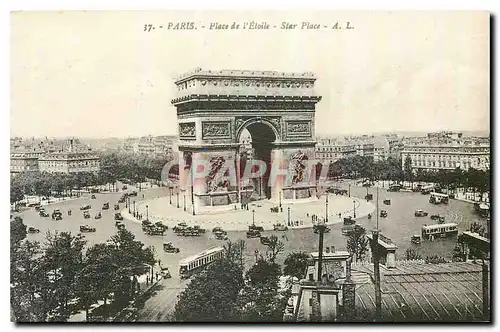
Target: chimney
(348, 295)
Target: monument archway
(213, 109)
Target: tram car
(439, 230)
(193, 264)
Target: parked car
(280, 227)
(265, 240)
(383, 213)
(98, 215)
(165, 273)
(420, 213)
(33, 230)
(387, 201)
(220, 235)
(118, 216)
(122, 199)
(117, 207)
(253, 234)
(155, 230)
(435, 217)
(369, 197)
(255, 228)
(169, 247)
(87, 229)
(85, 207)
(124, 187)
(44, 214)
(199, 229)
(119, 224)
(92, 197)
(57, 215)
(133, 193)
(219, 229)
(416, 239)
(349, 221)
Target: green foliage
(412, 254)
(357, 243)
(212, 295)
(296, 264)
(275, 247)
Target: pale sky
(98, 74)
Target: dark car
(253, 234)
(87, 229)
(117, 207)
(33, 230)
(383, 213)
(118, 216)
(169, 247)
(86, 215)
(86, 207)
(387, 201)
(349, 221)
(265, 240)
(105, 206)
(92, 197)
(44, 214)
(255, 228)
(133, 193)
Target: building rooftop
(422, 292)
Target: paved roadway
(400, 225)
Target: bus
(437, 198)
(192, 264)
(441, 230)
(425, 190)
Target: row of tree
(57, 278)
(114, 166)
(392, 169)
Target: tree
(407, 169)
(275, 246)
(412, 254)
(296, 264)
(63, 259)
(357, 243)
(212, 295)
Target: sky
(98, 74)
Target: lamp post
(134, 207)
(354, 205)
(289, 221)
(177, 197)
(170, 196)
(147, 212)
(349, 190)
(281, 209)
(326, 208)
(184, 201)
(253, 217)
(128, 204)
(320, 228)
(256, 253)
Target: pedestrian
(340, 215)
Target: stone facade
(215, 107)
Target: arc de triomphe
(214, 108)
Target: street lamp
(281, 209)
(134, 207)
(147, 212)
(289, 221)
(128, 204)
(177, 197)
(349, 190)
(253, 217)
(170, 196)
(256, 253)
(354, 204)
(320, 228)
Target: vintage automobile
(387, 201)
(394, 187)
(199, 229)
(349, 221)
(280, 227)
(179, 228)
(219, 235)
(367, 184)
(85, 207)
(383, 213)
(105, 206)
(255, 228)
(118, 216)
(265, 240)
(316, 229)
(122, 199)
(155, 230)
(440, 220)
(86, 215)
(92, 197)
(133, 193)
(33, 230)
(369, 197)
(98, 215)
(416, 239)
(189, 231)
(44, 214)
(253, 234)
(117, 207)
(37, 206)
(435, 217)
(87, 229)
(219, 229)
(119, 224)
(124, 187)
(165, 273)
(57, 215)
(169, 247)
(160, 224)
(420, 213)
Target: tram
(437, 198)
(192, 264)
(439, 230)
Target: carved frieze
(187, 130)
(298, 128)
(216, 129)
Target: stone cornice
(244, 74)
(245, 98)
